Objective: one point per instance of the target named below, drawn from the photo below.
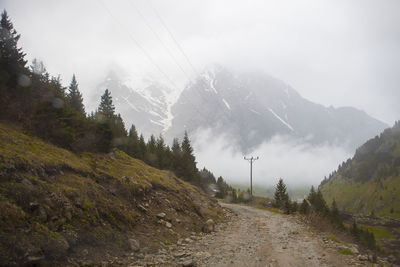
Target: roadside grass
(334, 239)
(379, 231)
(274, 210)
(345, 251)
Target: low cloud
(294, 160)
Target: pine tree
(320, 204)
(223, 188)
(142, 147)
(106, 107)
(176, 160)
(37, 67)
(12, 58)
(335, 215)
(188, 160)
(151, 157)
(281, 197)
(312, 195)
(75, 97)
(133, 148)
(119, 130)
(160, 152)
(304, 207)
(57, 88)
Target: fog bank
(294, 160)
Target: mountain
(247, 107)
(146, 104)
(370, 181)
(60, 208)
(251, 107)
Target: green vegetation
(315, 204)
(281, 199)
(380, 231)
(55, 193)
(369, 183)
(345, 251)
(364, 236)
(334, 239)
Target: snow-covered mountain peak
(236, 103)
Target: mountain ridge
(250, 107)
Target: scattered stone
(362, 257)
(41, 212)
(134, 244)
(141, 208)
(34, 205)
(180, 254)
(161, 215)
(354, 249)
(85, 252)
(209, 226)
(32, 260)
(188, 263)
(168, 224)
(140, 256)
(27, 183)
(71, 236)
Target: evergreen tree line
(39, 102)
(225, 191)
(316, 204)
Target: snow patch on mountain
(226, 104)
(256, 112)
(282, 120)
(126, 98)
(287, 91)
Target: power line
(147, 55)
(251, 160)
(173, 38)
(159, 39)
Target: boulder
(209, 226)
(188, 263)
(134, 244)
(27, 183)
(362, 257)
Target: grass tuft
(345, 251)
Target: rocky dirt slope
(59, 207)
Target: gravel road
(262, 238)
(255, 237)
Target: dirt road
(255, 237)
(262, 238)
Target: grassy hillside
(370, 181)
(56, 204)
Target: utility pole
(251, 160)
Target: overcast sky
(339, 52)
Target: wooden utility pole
(251, 160)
